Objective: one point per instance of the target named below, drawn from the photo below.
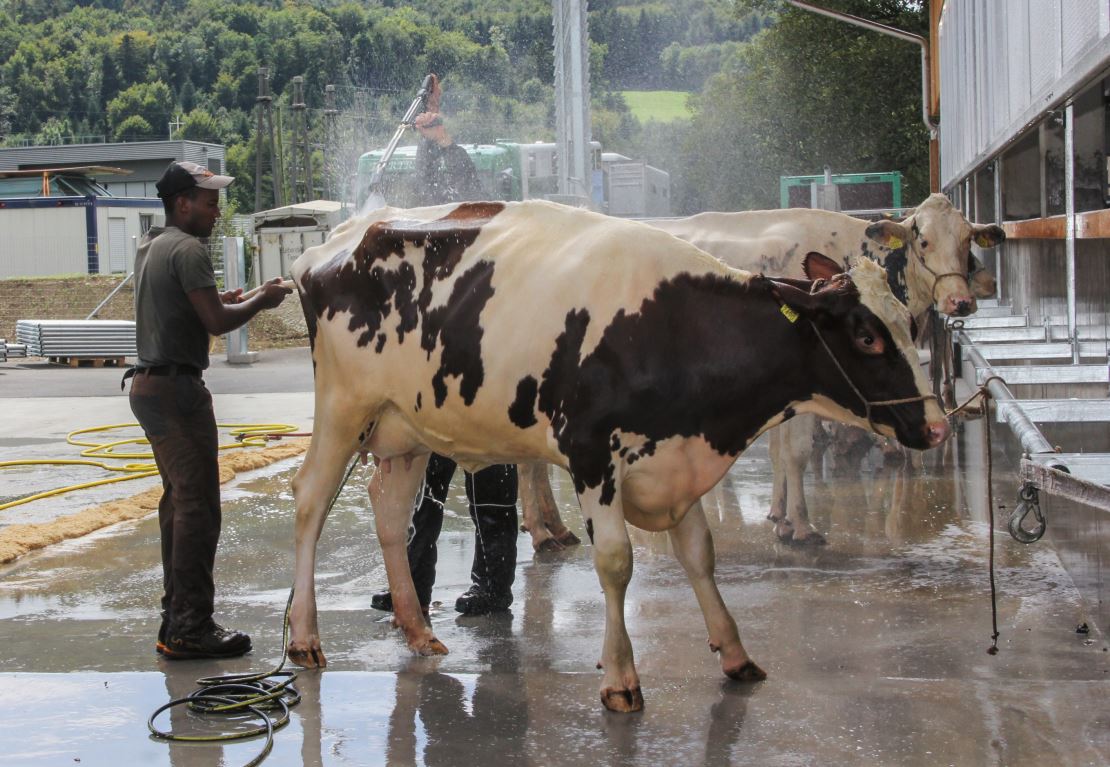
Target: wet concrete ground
(875, 645)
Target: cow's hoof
(431, 647)
(813, 539)
(749, 672)
(622, 701)
(567, 538)
(306, 658)
(547, 546)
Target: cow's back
(773, 242)
(441, 312)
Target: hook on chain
(1028, 501)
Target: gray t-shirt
(169, 264)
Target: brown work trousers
(176, 414)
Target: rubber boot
(492, 493)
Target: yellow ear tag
(894, 243)
(788, 313)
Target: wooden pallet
(89, 362)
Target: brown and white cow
(534, 332)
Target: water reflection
(463, 724)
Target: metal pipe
(115, 290)
(1032, 441)
(1069, 226)
(909, 37)
(998, 220)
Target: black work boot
(211, 640)
(492, 493)
(479, 601)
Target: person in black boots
(447, 175)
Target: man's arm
(219, 317)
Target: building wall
(42, 240)
(145, 159)
(38, 242)
(1004, 63)
(1034, 280)
(120, 227)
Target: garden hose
(246, 434)
(239, 694)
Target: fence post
(235, 270)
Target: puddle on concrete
(875, 644)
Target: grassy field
(663, 106)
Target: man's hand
(231, 296)
(272, 293)
(435, 93)
(431, 127)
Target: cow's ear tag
(788, 313)
(894, 243)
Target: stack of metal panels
(16, 350)
(77, 338)
(3, 350)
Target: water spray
(375, 198)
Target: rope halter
(867, 404)
(936, 277)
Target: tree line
(773, 90)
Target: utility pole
(294, 139)
(302, 150)
(265, 126)
(572, 101)
(331, 138)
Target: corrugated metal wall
(1004, 63)
(38, 242)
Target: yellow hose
(246, 434)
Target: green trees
(809, 92)
(142, 111)
(776, 91)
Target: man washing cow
(415, 319)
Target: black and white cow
(534, 332)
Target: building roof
(77, 170)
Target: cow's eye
(869, 343)
(924, 243)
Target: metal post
(572, 98)
(275, 153)
(235, 270)
(998, 219)
(295, 133)
(1069, 225)
(330, 141)
(262, 103)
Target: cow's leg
(540, 514)
(796, 449)
(778, 476)
(693, 545)
(620, 684)
(334, 440)
(393, 490)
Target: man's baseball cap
(182, 176)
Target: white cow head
(936, 240)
